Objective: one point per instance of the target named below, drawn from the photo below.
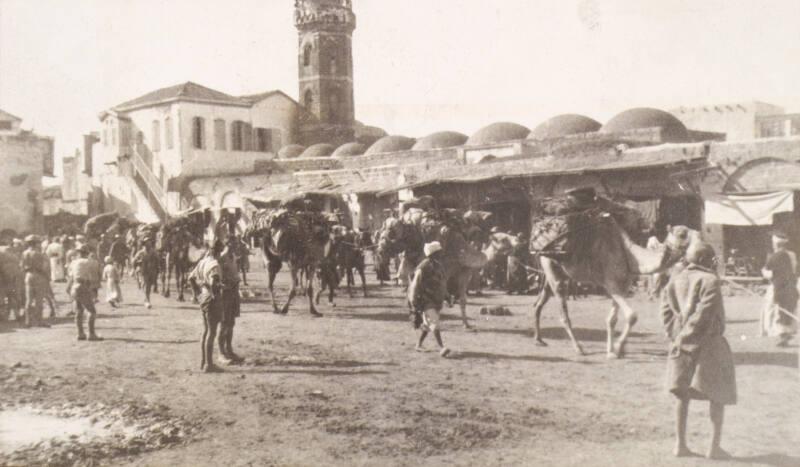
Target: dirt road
(348, 389)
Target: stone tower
(325, 60)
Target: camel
(301, 239)
(607, 257)
(350, 255)
(416, 227)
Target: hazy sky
(420, 65)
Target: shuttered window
(156, 135)
(198, 133)
(168, 133)
(219, 134)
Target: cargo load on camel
(569, 222)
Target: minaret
(325, 60)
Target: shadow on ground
(784, 359)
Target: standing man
(781, 270)
(207, 275)
(33, 265)
(426, 294)
(700, 363)
(230, 303)
(243, 258)
(83, 274)
(149, 263)
(119, 253)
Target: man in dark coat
(700, 362)
(427, 293)
(149, 264)
(119, 254)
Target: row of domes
(672, 130)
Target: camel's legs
(463, 285)
(310, 294)
(272, 271)
(611, 323)
(363, 280)
(292, 292)
(630, 320)
(568, 324)
(541, 300)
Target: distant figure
(55, 255)
(119, 253)
(111, 277)
(780, 311)
(36, 280)
(243, 258)
(427, 294)
(517, 267)
(700, 362)
(83, 274)
(655, 282)
(149, 264)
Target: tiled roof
(253, 98)
(7, 116)
(186, 91)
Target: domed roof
(349, 149)
(498, 132)
(392, 143)
(672, 128)
(290, 151)
(318, 150)
(442, 139)
(563, 125)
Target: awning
(745, 209)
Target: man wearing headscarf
(427, 293)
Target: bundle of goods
(99, 224)
(146, 233)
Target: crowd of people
(700, 362)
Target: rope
(744, 289)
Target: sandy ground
(348, 389)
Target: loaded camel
(301, 239)
(416, 227)
(604, 254)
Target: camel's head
(678, 240)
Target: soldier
(33, 265)
(83, 275)
(230, 304)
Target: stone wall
(22, 159)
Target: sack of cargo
(549, 234)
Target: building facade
(25, 158)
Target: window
(307, 55)
(156, 135)
(139, 137)
(125, 135)
(333, 66)
(113, 136)
(198, 133)
(219, 134)
(237, 135)
(105, 137)
(5, 125)
(168, 132)
(308, 99)
(247, 137)
(263, 140)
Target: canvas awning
(747, 209)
